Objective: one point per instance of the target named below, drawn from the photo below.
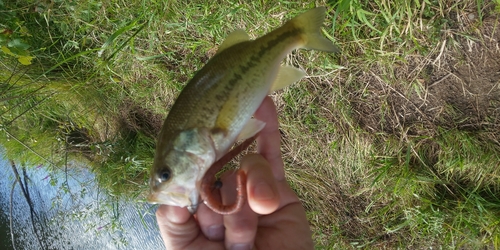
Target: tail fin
(311, 22)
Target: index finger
(268, 141)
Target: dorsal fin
(235, 37)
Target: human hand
(272, 218)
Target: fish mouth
(180, 199)
(191, 202)
(168, 198)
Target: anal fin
(250, 129)
(287, 75)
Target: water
(72, 214)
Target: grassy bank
(394, 143)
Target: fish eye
(165, 175)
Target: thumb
(263, 195)
(177, 227)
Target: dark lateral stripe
(256, 58)
(232, 82)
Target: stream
(70, 212)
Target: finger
(287, 195)
(268, 141)
(263, 196)
(177, 227)
(241, 227)
(211, 223)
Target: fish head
(178, 167)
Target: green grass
(369, 176)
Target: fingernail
(240, 246)
(263, 191)
(215, 232)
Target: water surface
(71, 212)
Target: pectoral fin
(286, 76)
(252, 127)
(218, 134)
(235, 37)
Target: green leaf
(25, 60)
(7, 51)
(24, 31)
(343, 6)
(113, 36)
(18, 44)
(18, 52)
(362, 17)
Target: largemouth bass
(215, 108)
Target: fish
(214, 110)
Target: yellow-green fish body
(215, 107)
